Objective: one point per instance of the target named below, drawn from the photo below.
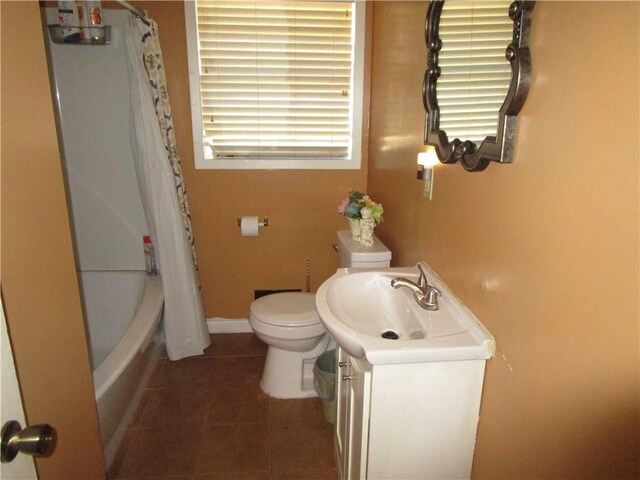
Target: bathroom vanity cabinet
(409, 421)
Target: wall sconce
(426, 161)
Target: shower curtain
(162, 191)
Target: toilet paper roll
(249, 226)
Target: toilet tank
(356, 255)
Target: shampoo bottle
(93, 14)
(69, 21)
(149, 256)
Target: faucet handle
(422, 279)
(430, 299)
(432, 295)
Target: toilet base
(289, 374)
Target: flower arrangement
(352, 205)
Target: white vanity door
(359, 396)
(352, 423)
(342, 415)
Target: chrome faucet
(425, 295)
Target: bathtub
(123, 311)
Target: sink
(359, 306)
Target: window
(276, 84)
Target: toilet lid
(289, 309)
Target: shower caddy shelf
(56, 35)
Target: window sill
(278, 164)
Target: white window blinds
(276, 80)
(474, 37)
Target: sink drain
(390, 335)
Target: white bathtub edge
(137, 336)
(113, 445)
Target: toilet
(289, 324)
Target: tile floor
(205, 418)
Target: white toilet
(289, 324)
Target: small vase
(354, 225)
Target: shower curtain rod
(135, 10)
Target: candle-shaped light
(426, 161)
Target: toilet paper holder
(262, 223)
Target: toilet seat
(287, 309)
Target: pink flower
(343, 206)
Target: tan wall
(301, 205)
(39, 284)
(543, 251)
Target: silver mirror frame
(499, 148)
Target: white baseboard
(228, 325)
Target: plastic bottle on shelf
(149, 256)
(69, 21)
(84, 22)
(93, 15)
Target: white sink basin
(358, 306)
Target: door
(22, 467)
(39, 285)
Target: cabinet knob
(346, 377)
(342, 364)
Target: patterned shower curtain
(154, 66)
(164, 196)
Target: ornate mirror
(477, 78)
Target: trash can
(324, 381)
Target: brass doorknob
(38, 440)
